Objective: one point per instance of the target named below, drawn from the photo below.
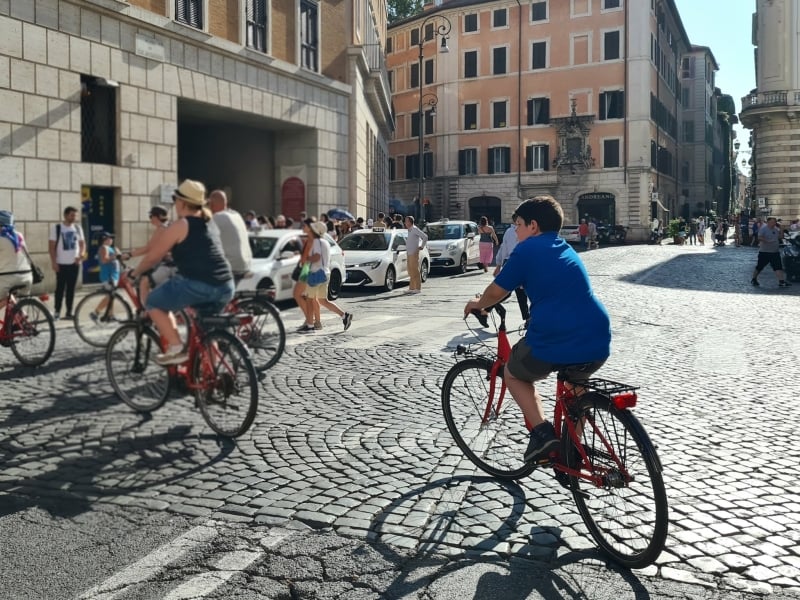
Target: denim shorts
(179, 292)
(523, 365)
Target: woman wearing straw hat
(204, 274)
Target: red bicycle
(100, 313)
(605, 457)
(27, 327)
(218, 370)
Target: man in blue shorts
(569, 328)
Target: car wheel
(334, 285)
(462, 264)
(389, 280)
(423, 271)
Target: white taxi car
(570, 234)
(377, 257)
(453, 244)
(276, 253)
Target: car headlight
(370, 265)
(452, 246)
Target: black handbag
(36, 272)
(296, 272)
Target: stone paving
(350, 434)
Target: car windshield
(262, 246)
(365, 241)
(444, 232)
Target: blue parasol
(340, 214)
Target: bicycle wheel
(627, 515)
(264, 334)
(227, 384)
(497, 445)
(33, 332)
(97, 331)
(130, 363)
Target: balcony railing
(767, 99)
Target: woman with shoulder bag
(317, 291)
(300, 275)
(488, 241)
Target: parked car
(377, 257)
(453, 244)
(276, 253)
(570, 234)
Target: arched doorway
(600, 206)
(485, 206)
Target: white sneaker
(172, 357)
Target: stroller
(790, 254)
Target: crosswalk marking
(149, 566)
(226, 567)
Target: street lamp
(442, 28)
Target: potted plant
(674, 231)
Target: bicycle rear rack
(621, 394)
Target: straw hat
(319, 228)
(191, 192)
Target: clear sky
(725, 27)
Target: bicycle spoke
(227, 385)
(32, 332)
(626, 512)
(496, 444)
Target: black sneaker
(68, 317)
(755, 282)
(542, 442)
(306, 329)
(784, 284)
(347, 320)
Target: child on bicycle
(569, 329)
(109, 269)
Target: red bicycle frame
(565, 397)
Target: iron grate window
(98, 122)
(256, 11)
(189, 12)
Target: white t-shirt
(323, 248)
(68, 246)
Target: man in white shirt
(416, 239)
(67, 250)
(232, 234)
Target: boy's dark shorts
(526, 367)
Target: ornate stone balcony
(764, 103)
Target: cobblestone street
(350, 434)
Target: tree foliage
(400, 9)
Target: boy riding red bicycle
(569, 328)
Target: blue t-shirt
(568, 323)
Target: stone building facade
(772, 111)
(577, 98)
(107, 104)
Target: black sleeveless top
(200, 256)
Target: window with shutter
(499, 114)
(470, 116)
(612, 105)
(539, 57)
(471, 64)
(256, 24)
(414, 72)
(538, 111)
(189, 12)
(610, 154)
(499, 61)
(539, 11)
(470, 22)
(611, 45)
(468, 161)
(415, 37)
(499, 160)
(537, 157)
(428, 72)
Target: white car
(570, 234)
(453, 244)
(377, 257)
(276, 253)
